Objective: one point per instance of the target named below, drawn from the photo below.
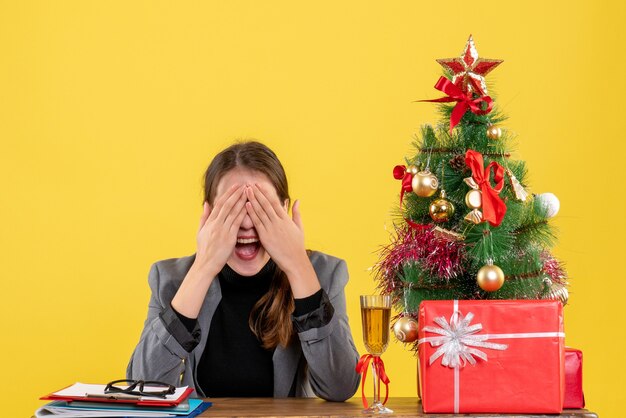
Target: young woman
(252, 313)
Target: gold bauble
(412, 169)
(494, 132)
(490, 278)
(425, 184)
(405, 329)
(441, 209)
(474, 199)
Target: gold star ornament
(469, 70)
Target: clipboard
(79, 392)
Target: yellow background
(110, 111)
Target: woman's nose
(247, 222)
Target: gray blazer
(321, 361)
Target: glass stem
(376, 392)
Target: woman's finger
(258, 224)
(279, 207)
(234, 227)
(266, 204)
(228, 205)
(256, 207)
(233, 214)
(297, 218)
(221, 200)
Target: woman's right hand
(219, 225)
(216, 240)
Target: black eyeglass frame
(139, 385)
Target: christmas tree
(467, 228)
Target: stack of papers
(62, 409)
(86, 400)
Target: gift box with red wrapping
(574, 397)
(491, 356)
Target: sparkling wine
(375, 329)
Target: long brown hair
(270, 318)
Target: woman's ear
(286, 204)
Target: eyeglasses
(140, 388)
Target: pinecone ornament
(458, 163)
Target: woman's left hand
(283, 238)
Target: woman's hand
(216, 240)
(283, 238)
(219, 225)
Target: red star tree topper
(468, 70)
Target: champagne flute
(375, 316)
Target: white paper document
(84, 389)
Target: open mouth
(247, 247)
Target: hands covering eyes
(281, 236)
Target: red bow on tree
(464, 101)
(400, 173)
(362, 367)
(493, 206)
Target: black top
(234, 363)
